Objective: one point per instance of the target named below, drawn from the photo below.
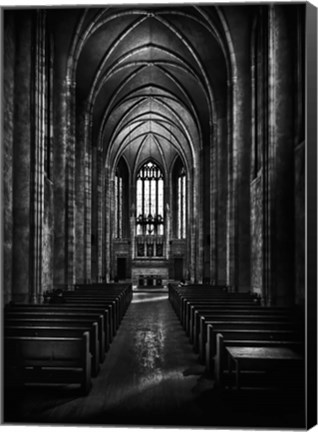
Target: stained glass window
(150, 198)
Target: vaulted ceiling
(153, 79)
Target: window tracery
(150, 195)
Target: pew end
(47, 361)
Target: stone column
(88, 215)
(63, 179)
(70, 185)
(213, 204)
(21, 167)
(280, 157)
(132, 230)
(168, 231)
(94, 214)
(100, 196)
(239, 153)
(220, 193)
(231, 240)
(9, 60)
(192, 223)
(104, 238)
(243, 138)
(41, 251)
(80, 200)
(299, 155)
(109, 213)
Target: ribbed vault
(153, 81)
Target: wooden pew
(258, 329)
(197, 311)
(118, 299)
(88, 308)
(122, 291)
(178, 296)
(247, 334)
(93, 301)
(187, 302)
(261, 358)
(254, 314)
(60, 317)
(207, 306)
(245, 323)
(91, 326)
(95, 313)
(245, 340)
(16, 329)
(234, 303)
(47, 360)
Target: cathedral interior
(150, 151)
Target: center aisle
(150, 376)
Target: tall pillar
(94, 214)
(198, 217)
(104, 238)
(109, 212)
(100, 195)
(299, 157)
(70, 187)
(192, 225)
(239, 157)
(213, 207)
(220, 202)
(243, 146)
(8, 144)
(231, 240)
(41, 250)
(88, 215)
(22, 144)
(80, 200)
(64, 178)
(280, 161)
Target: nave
(151, 376)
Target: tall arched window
(179, 201)
(181, 204)
(150, 198)
(121, 200)
(118, 192)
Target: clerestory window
(118, 204)
(181, 204)
(121, 201)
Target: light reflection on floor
(152, 376)
(150, 299)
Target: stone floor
(151, 377)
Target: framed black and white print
(159, 215)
